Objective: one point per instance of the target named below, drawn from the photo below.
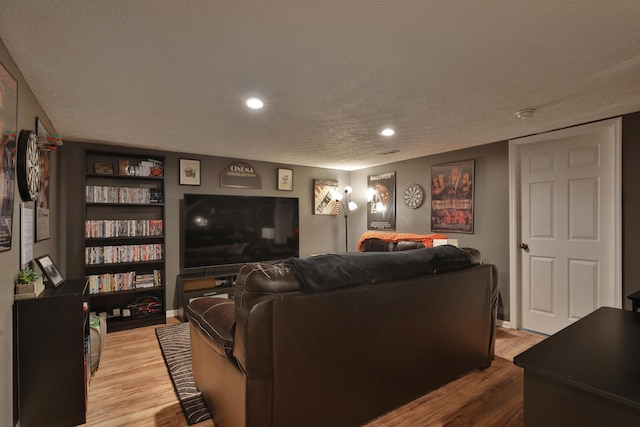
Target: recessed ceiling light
(527, 113)
(255, 103)
(387, 132)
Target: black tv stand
(210, 281)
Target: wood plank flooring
(132, 388)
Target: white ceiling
(448, 74)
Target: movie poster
(381, 201)
(452, 197)
(324, 203)
(8, 128)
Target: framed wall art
(381, 201)
(452, 197)
(323, 201)
(8, 131)
(285, 179)
(189, 172)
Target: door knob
(524, 246)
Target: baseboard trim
(504, 324)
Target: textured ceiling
(447, 74)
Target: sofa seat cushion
(214, 318)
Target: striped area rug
(176, 348)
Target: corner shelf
(112, 182)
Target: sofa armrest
(257, 279)
(214, 319)
(257, 286)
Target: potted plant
(28, 283)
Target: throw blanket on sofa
(333, 271)
(426, 239)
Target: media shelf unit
(52, 355)
(124, 236)
(211, 282)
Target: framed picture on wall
(323, 201)
(189, 172)
(381, 201)
(452, 197)
(285, 179)
(8, 131)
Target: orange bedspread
(426, 239)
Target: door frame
(515, 269)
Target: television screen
(223, 230)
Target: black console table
(635, 300)
(588, 374)
(52, 350)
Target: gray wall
(630, 206)
(491, 207)
(28, 110)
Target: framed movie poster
(323, 201)
(42, 202)
(452, 197)
(381, 201)
(8, 129)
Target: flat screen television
(221, 230)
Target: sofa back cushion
(332, 271)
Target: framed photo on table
(50, 270)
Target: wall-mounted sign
(240, 175)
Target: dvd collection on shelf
(103, 283)
(126, 195)
(95, 255)
(104, 228)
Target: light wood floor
(132, 388)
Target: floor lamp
(350, 206)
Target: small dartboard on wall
(413, 196)
(28, 167)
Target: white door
(568, 246)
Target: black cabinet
(52, 350)
(124, 237)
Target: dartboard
(28, 165)
(413, 196)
